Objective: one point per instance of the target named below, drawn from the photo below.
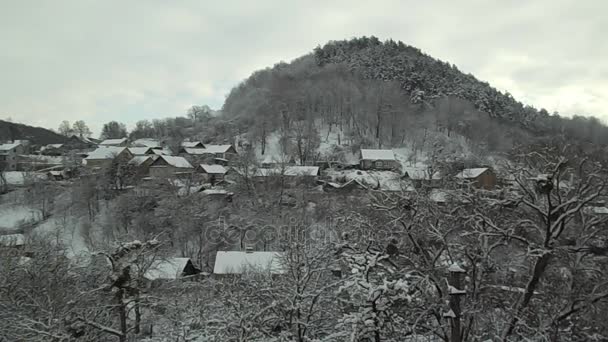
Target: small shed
(213, 173)
(55, 175)
(378, 160)
(239, 262)
(12, 240)
(481, 177)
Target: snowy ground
(68, 231)
(12, 215)
(19, 177)
(385, 180)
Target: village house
(212, 173)
(482, 177)
(378, 160)
(169, 166)
(290, 175)
(192, 144)
(350, 187)
(170, 269)
(103, 157)
(274, 161)
(114, 142)
(227, 152)
(239, 262)
(76, 142)
(147, 142)
(423, 177)
(211, 154)
(9, 155)
(142, 164)
(141, 151)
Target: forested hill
(379, 93)
(37, 135)
(421, 76)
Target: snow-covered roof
(377, 154)
(111, 142)
(54, 145)
(471, 173)
(106, 152)
(162, 152)
(146, 142)
(597, 210)
(236, 262)
(217, 148)
(56, 173)
(140, 150)
(179, 162)
(195, 151)
(215, 192)
(12, 240)
(138, 160)
(9, 146)
(215, 169)
(169, 268)
(192, 144)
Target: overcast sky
(130, 60)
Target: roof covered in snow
(138, 151)
(471, 173)
(169, 268)
(214, 169)
(179, 162)
(106, 152)
(111, 142)
(163, 152)
(192, 144)
(215, 192)
(146, 142)
(10, 146)
(217, 148)
(12, 240)
(377, 154)
(138, 160)
(236, 262)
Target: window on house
(379, 164)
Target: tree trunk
(122, 315)
(539, 269)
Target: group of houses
(152, 158)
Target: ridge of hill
(37, 135)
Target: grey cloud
(102, 60)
